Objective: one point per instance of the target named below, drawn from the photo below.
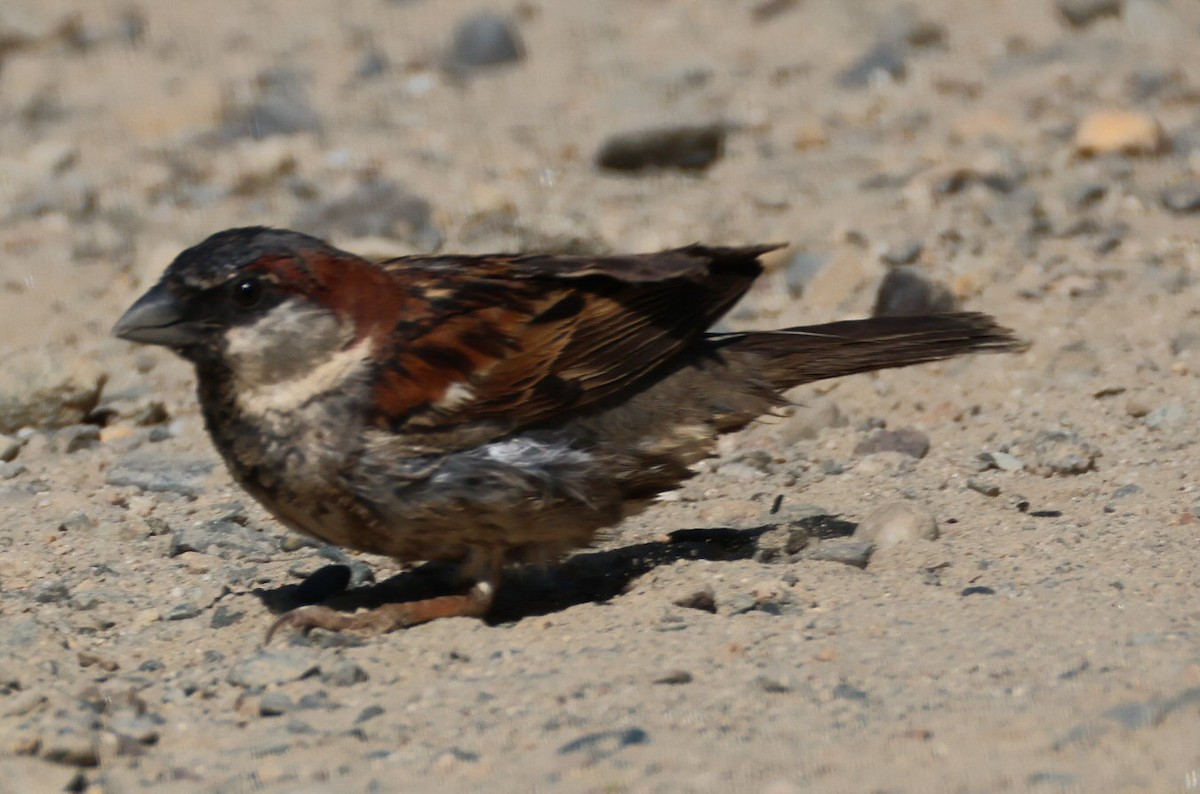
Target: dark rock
(772, 685)
(674, 677)
(977, 590)
(847, 691)
(485, 39)
(53, 592)
(275, 704)
(604, 744)
(376, 207)
(684, 148)
(1183, 197)
(370, 712)
(157, 473)
(1127, 490)
(1081, 13)
(905, 292)
(885, 60)
(223, 616)
(907, 441)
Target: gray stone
(703, 599)
(884, 61)
(73, 438)
(983, 487)
(40, 389)
(343, 673)
(78, 521)
(1002, 461)
(848, 552)
(1183, 197)
(1062, 453)
(907, 441)
(1172, 416)
(158, 473)
(182, 611)
(272, 668)
(683, 148)
(896, 523)
(10, 470)
(486, 39)
(226, 539)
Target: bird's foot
(388, 617)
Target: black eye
(247, 292)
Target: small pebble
(343, 673)
(486, 39)
(9, 448)
(703, 599)
(183, 611)
(884, 62)
(907, 441)
(1172, 416)
(673, 677)
(274, 704)
(683, 148)
(847, 552)
(1081, 13)
(896, 523)
(985, 488)
(905, 292)
(1183, 198)
(1118, 132)
(1061, 453)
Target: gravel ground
(970, 577)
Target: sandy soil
(1046, 641)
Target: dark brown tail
(792, 356)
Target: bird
(486, 410)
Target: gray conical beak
(157, 318)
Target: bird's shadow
(531, 591)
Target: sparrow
(485, 410)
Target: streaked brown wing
(515, 341)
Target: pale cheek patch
(290, 357)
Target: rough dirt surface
(744, 635)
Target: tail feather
(792, 356)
